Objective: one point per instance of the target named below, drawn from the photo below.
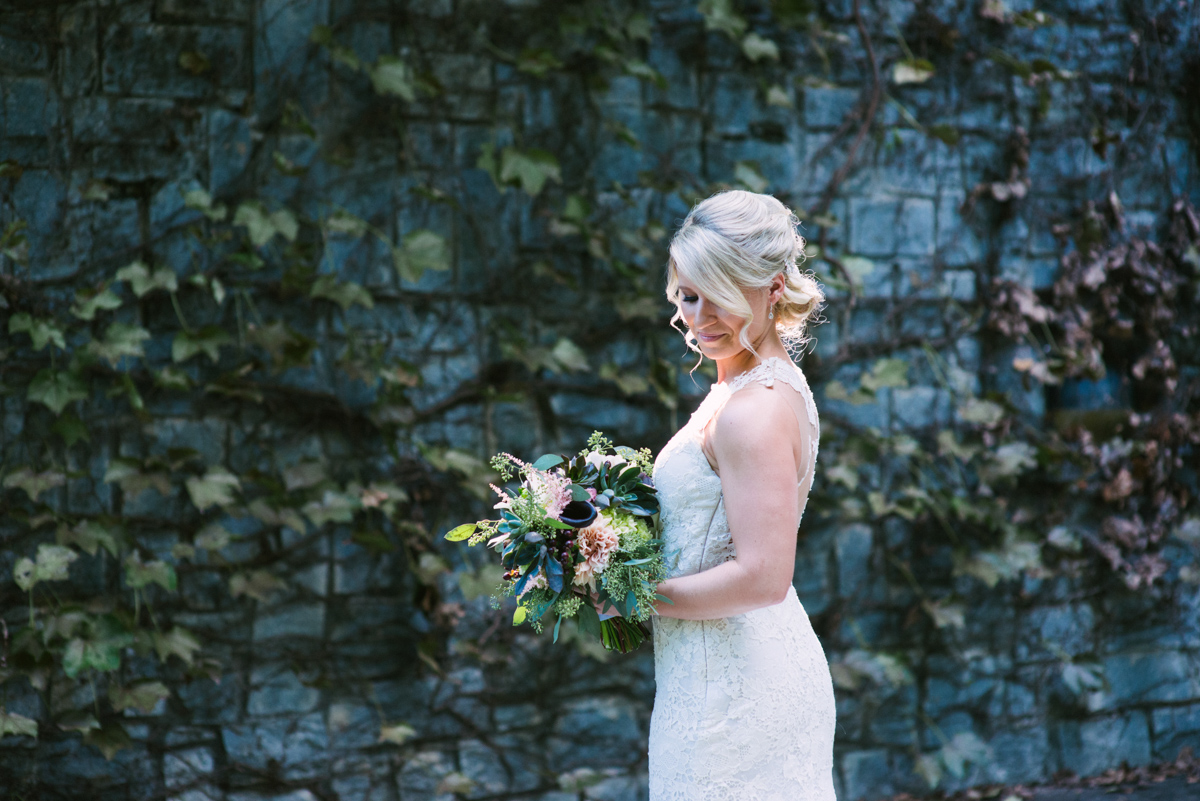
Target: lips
(708, 337)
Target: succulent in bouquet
(577, 532)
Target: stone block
(132, 165)
(421, 775)
(282, 28)
(618, 788)
(298, 620)
(30, 107)
(1070, 627)
(352, 725)
(229, 148)
(866, 774)
(21, 52)
(958, 285)
(826, 108)
(1165, 677)
(78, 58)
(1174, 728)
(276, 690)
(1018, 755)
(920, 407)
(594, 732)
(459, 71)
(294, 795)
(1093, 746)
(873, 227)
(853, 550)
(299, 746)
(187, 767)
(205, 10)
(682, 90)
(145, 60)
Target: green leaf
(177, 642)
(460, 533)
(132, 480)
(569, 356)
(748, 174)
(285, 223)
(41, 331)
(337, 507)
(207, 340)
(33, 483)
(547, 461)
(143, 696)
(303, 474)
(89, 536)
(537, 62)
(109, 739)
(16, 725)
(758, 48)
(142, 280)
(913, 70)
(391, 76)
(343, 222)
(488, 163)
(778, 96)
(171, 377)
(421, 250)
(212, 537)
(344, 294)
(85, 307)
(519, 616)
(981, 412)
(138, 574)
(253, 215)
(529, 169)
(886, 373)
(120, 339)
(100, 649)
(719, 15)
(397, 734)
(214, 488)
(71, 429)
(258, 584)
(24, 573)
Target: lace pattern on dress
(744, 706)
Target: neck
(768, 345)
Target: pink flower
(551, 491)
(505, 501)
(596, 544)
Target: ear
(776, 288)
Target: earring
(771, 316)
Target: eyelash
(690, 298)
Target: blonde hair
(738, 240)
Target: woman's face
(718, 331)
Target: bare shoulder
(756, 419)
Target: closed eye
(690, 298)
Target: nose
(704, 312)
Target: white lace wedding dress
(744, 707)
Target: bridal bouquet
(576, 531)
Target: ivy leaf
(207, 340)
(171, 377)
(886, 373)
(1010, 459)
(338, 507)
(758, 48)
(128, 474)
(212, 537)
(53, 563)
(946, 614)
(85, 308)
(720, 16)
(981, 412)
(262, 226)
(397, 734)
(422, 250)
(89, 536)
(258, 584)
(343, 222)
(1083, 677)
(33, 483)
(143, 696)
(16, 725)
(109, 739)
(391, 76)
(569, 356)
(200, 200)
(530, 169)
(537, 62)
(71, 429)
(138, 574)
(215, 487)
(344, 294)
(142, 280)
(286, 224)
(120, 339)
(778, 96)
(307, 473)
(100, 649)
(748, 174)
(41, 331)
(912, 70)
(177, 642)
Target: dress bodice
(695, 529)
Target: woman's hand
(599, 605)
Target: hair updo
(739, 240)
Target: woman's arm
(753, 442)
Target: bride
(744, 707)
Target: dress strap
(773, 368)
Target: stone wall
(112, 109)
